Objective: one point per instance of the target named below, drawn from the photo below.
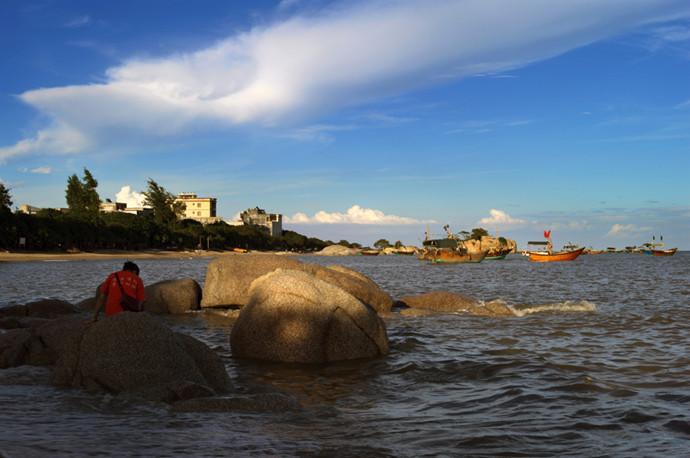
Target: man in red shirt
(109, 293)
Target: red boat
(669, 252)
(545, 256)
(549, 255)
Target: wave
(566, 307)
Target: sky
(362, 120)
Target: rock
(16, 322)
(355, 283)
(50, 308)
(337, 250)
(88, 304)
(440, 301)
(173, 296)
(62, 340)
(491, 243)
(13, 311)
(294, 317)
(443, 301)
(264, 402)
(135, 353)
(228, 280)
(14, 347)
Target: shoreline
(21, 256)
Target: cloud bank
(296, 68)
(626, 230)
(354, 215)
(500, 218)
(131, 198)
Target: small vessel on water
(570, 252)
(655, 249)
(450, 250)
(370, 252)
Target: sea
(595, 362)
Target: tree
(5, 198)
(381, 244)
(81, 196)
(398, 245)
(478, 233)
(165, 209)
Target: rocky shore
(286, 311)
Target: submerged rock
(173, 296)
(44, 308)
(295, 317)
(447, 302)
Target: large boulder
(293, 316)
(228, 280)
(173, 296)
(50, 308)
(135, 353)
(447, 302)
(14, 347)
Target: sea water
(595, 362)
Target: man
(110, 292)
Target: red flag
(547, 234)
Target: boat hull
(555, 257)
(445, 256)
(495, 258)
(670, 252)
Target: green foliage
(5, 198)
(382, 243)
(82, 198)
(478, 233)
(165, 210)
(465, 235)
(502, 241)
(398, 244)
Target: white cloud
(79, 21)
(354, 215)
(348, 54)
(500, 218)
(622, 230)
(42, 170)
(131, 198)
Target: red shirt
(131, 284)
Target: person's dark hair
(129, 265)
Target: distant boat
(545, 256)
(370, 252)
(669, 252)
(569, 253)
(450, 250)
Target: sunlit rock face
(295, 317)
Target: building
(258, 217)
(109, 206)
(202, 209)
(28, 209)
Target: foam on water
(565, 307)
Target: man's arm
(100, 299)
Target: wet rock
(61, 340)
(173, 296)
(133, 352)
(440, 301)
(16, 322)
(228, 280)
(13, 311)
(447, 302)
(295, 317)
(265, 402)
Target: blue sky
(362, 120)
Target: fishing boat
(655, 249)
(370, 252)
(668, 252)
(548, 255)
(450, 250)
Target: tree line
(84, 227)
